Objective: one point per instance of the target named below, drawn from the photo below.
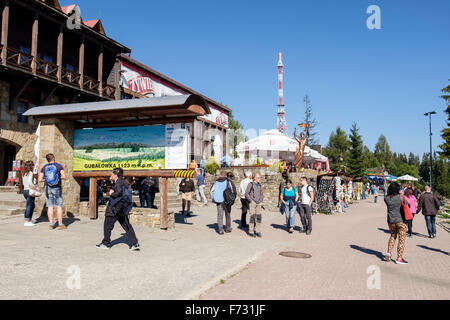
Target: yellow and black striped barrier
(184, 173)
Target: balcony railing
(90, 84)
(47, 68)
(70, 77)
(19, 58)
(109, 91)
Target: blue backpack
(126, 198)
(51, 175)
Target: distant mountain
(135, 147)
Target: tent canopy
(275, 141)
(407, 177)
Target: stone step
(17, 204)
(4, 211)
(9, 189)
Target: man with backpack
(306, 205)
(119, 206)
(51, 174)
(254, 194)
(224, 194)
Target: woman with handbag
(289, 197)
(396, 221)
(30, 191)
(412, 201)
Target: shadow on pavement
(122, 239)
(414, 233)
(238, 222)
(433, 249)
(283, 227)
(368, 251)
(181, 219)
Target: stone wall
(57, 138)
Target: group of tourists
(402, 206)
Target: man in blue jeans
(52, 174)
(429, 204)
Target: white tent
(407, 177)
(273, 145)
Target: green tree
(336, 149)
(236, 133)
(355, 159)
(441, 175)
(369, 159)
(313, 139)
(446, 131)
(383, 152)
(424, 168)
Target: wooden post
(34, 42)
(5, 24)
(81, 62)
(163, 208)
(118, 67)
(59, 54)
(100, 71)
(93, 198)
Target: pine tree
(446, 131)
(383, 152)
(312, 140)
(336, 149)
(355, 159)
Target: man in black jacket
(429, 204)
(117, 212)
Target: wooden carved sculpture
(301, 145)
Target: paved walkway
(190, 261)
(346, 251)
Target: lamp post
(428, 114)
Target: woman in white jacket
(29, 183)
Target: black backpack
(229, 195)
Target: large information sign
(130, 148)
(176, 146)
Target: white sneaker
(29, 224)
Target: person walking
(412, 201)
(375, 193)
(255, 196)
(306, 205)
(429, 204)
(396, 222)
(289, 197)
(218, 197)
(29, 184)
(244, 202)
(117, 210)
(51, 174)
(200, 190)
(187, 189)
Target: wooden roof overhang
(134, 112)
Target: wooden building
(49, 55)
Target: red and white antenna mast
(281, 114)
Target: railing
(70, 77)
(109, 91)
(90, 84)
(18, 58)
(47, 68)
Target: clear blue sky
(385, 80)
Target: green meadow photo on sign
(129, 148)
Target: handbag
(34, 193)
(406, 210)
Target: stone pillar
(56, 137)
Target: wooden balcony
(91, 84)
(18, 58)
(47, 68)
(70, 77)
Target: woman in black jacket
(187, 189)
(396, 222)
